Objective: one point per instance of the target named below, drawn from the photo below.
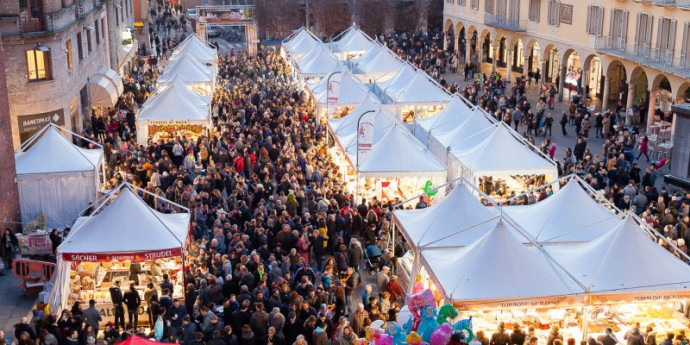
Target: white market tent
(121, 226)
(368, 103)
(195, 46)
(352, 42)
(468, 134)
(456, 221)
(318, 62)
(419, 90)
(501, 154)
(384, 160)
(398, 81)
(352, 91)
(192, 71)
(379, 63)
(623, 262)
(346, 133)
(570, 215)
(174, 104)
(452, 116)
(477, 274)
(56, 177)
(300, 43)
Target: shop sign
(32, 123)
(138, 256)
(645, 297)
(532, 303)
(167, 122)
(35, 245)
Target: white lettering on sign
(83, 257)
(162, 254)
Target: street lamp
(360, 133)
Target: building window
(88, 41)
(501, 6)
(474, 4)
(80, 49)
(117, 15)
(98, 31)
(103, 28)
(534, 10)
(554, 15)
(489, 6)
(618, 31)
(595, 20)
(70, 58)
(666, 39)
(461, 3)
(514, 10)
(38, 64)
(685, 46)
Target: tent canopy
(352, 91)
(368, 104)
(318, 61)
(623, 260)
(195, 46)
(379, 61)
(467, 134)
(189, 69)
(502, 152)
(481, 271)
(452, 116)
(174, 103)
(178, 88)
(301, 43)
(353, 40)
(397, 83)
(384, 158)
(570, 215)
(457, 221)
(347, 132)
(53, 153)
(419, 89)
(126, 225)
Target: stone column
(468, 51)
(583, 85)
(605, 94)
(653, 94)
(493, 60)
(543, 72)
(629, 102)
(561, 83)
(9, 207)
(510, 64)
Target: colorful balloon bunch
(422, 324)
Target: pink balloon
(441, 335)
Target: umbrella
(137, 340)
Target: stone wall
(9, 206)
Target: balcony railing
(664, 2)
(661, 59)
(512, 24)
(42, 23)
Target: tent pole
(585, 321)
(33, 138)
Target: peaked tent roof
(347, 132)
(398, 82)
(196, 42)
(181, 90)
(189, 69)
(354, 40)
(420, 89)
(367, 104)
(453, 115)
(125, 218)
(457, 221)
(501, 151)
(384, 160)
(53, 153)
(569, 215)
(383, 61)
(479, 272)
(466, 134)
(173, 104)
(613, 263)
(352, 91)
(318, 61)
(301, 43)
(195, 46)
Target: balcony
(511, 24)
(663, 60)
(664, 2)
(47, 23)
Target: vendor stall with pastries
(122, 239)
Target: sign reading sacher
(138, 256)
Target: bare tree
(278, 18)
(330, 16)
(373, 16)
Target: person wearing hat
(421, 203)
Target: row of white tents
(60, 180)
(567, 249)
(459, 140)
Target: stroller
(373, 258)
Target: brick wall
(9, 206)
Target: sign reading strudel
(136, 256)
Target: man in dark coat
(133, 301)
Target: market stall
(57, 178)
(194, 73)
(352, 44)
(317, 63)
(348, 92)
(501, 159)
(378, 64)
(175, 111)
(417, 96)
(298, 44)
(452, 116)
(195, 46)
(124, 240)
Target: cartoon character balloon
(396, 333)
(447, 313)
(428, 324)
(441, 335)
(465, 325)
(417, 302)
(429, 190)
